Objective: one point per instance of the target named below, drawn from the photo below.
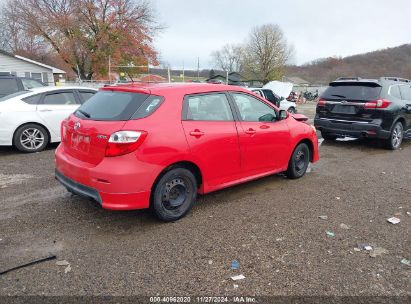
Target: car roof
(48, 89)
(164, 88)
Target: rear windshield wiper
(336, 95)
(84, 113)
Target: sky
(316, 28)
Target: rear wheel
(328, 136)
(299, 161)
(174, 194)
(396, 136)
(31, 138)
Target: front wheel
(31, 138)
(299, 161)
(174, 194)
(396, 137)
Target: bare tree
(266, 53)
(85, 32)
(228, 58)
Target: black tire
(292, 110)
(174, 194)
(31, 138)
(298, 164)
(327, 136)
(396, 136)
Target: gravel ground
(271, 226)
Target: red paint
(226, 152)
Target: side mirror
(283, 114)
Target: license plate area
(80, 142)
(342, 109)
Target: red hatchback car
(139, 146)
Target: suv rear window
(351, 91)
(111, 105)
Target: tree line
(80, 34)
(263, 56)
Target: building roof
(55, 70)
(295, 80)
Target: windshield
(111, 105)
(13, 95)
(360, 92)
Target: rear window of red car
(114, 106)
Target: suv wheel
(31, 138)
(396, 136)
(327, 136)
(174, 194)
(299, 161)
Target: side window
(36, 76)
(33, 100)
(208, 107)
(406, 92)
(252, 109)
(62, 98)
(86, 95)
(259, 93)
(30, 83)
(148, 107)
(8, 86)
(395, 91)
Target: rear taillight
(124, 142)
(377, 104)
(321, 102)
(63, 131)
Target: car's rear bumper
(351, 128)
(117, 184)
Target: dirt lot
(271, 226)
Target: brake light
(377, 104)
(321, 102)
(63, 131)
(124, 142)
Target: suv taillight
(377, 104)
(321, 102)
(124, 142)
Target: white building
(23, 67)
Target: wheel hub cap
(175, 193)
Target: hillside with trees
(387, 62)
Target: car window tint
(111, 105)
(351, 91)
(209, 107)
(252, 109)
(31, 83)
(62, 98)
(395, 92)
(86, 95)
(8, 86)
(13, 95)
(33, 100)
(406, 92)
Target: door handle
(250, 131)
(196, 133)
(264, 127)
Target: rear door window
(61, 98)
(111, 105)
(86, 95)
(207, 107)
(352, 91)
(406, 92)
(8, 86)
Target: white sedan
(29, 120)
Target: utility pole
(198, 68)
(109, 69)
(183, 72)
(169, 76)
(226, 78)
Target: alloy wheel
(32, 138)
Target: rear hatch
(347, 100)
(86, 132)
